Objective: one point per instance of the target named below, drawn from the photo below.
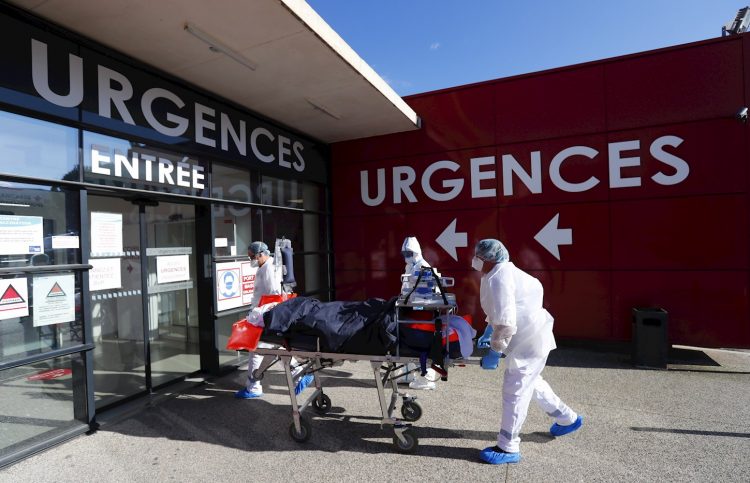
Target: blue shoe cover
(245, 394)
(304, 381)
(495, 456)
(560, 430)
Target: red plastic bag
(245, 336)
(268, 299)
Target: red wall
(681, 245)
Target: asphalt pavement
(688, 423)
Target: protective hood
(411, 244)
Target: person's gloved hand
(491, 360)
(484, 341)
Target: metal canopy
(275, 57)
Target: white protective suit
(416, 262)
(512, 300)
(267, 282)
(413, 263)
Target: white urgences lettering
(621, 155)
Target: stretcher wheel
(322, 403)
(411, 410)
(304, 433)
(407, 446)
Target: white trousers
(521, 382)
(255, 361)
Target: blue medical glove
(484, 341)
(491, 360)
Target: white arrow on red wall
(449, 240)
(551, 237)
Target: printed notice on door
(173, 268)
(21, 235)
(54, 299)
(248, 282)
(14, 298)
(106, 233)
(228, 286)
(105, 274)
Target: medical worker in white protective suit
(412, 253)
(519, 329)
(267, 282)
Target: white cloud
(434, 45)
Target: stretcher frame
(383, 369)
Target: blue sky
(422, 45)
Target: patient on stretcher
(363, 327)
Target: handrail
(27, 360)
(45, 268)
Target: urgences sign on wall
(118, 97)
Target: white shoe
(432, 375)
(422, 383)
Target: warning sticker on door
(14, 298)
(54, 299)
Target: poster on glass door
(172, 268)
(106, 233)
(21, 235)
(54, 299)
(105, 274)
(235, 282)
(14, 298)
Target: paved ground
(689, 423)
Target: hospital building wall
(636, 166)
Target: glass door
(172, 304)
(143, 295)
(116, 299)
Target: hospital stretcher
(384, 369)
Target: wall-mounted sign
(14, 298)
(174, 268)
(106, 233)
(142, 168)
(54, 299)
(235, 282)
(66, 79)
(248, 282)
(228, 286)
(105, 274)
(21, 235)
(487, 172)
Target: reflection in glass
(40, 401)
(315, 233)
(231, 184)
(282, 223)
(234, 228)
(311, 272)
(281, 192)
(30, 146)
(58, 211)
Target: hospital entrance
(144, 301)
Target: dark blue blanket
(366, 327)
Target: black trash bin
(650, 345)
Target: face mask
(254, 263)
(477, 264)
